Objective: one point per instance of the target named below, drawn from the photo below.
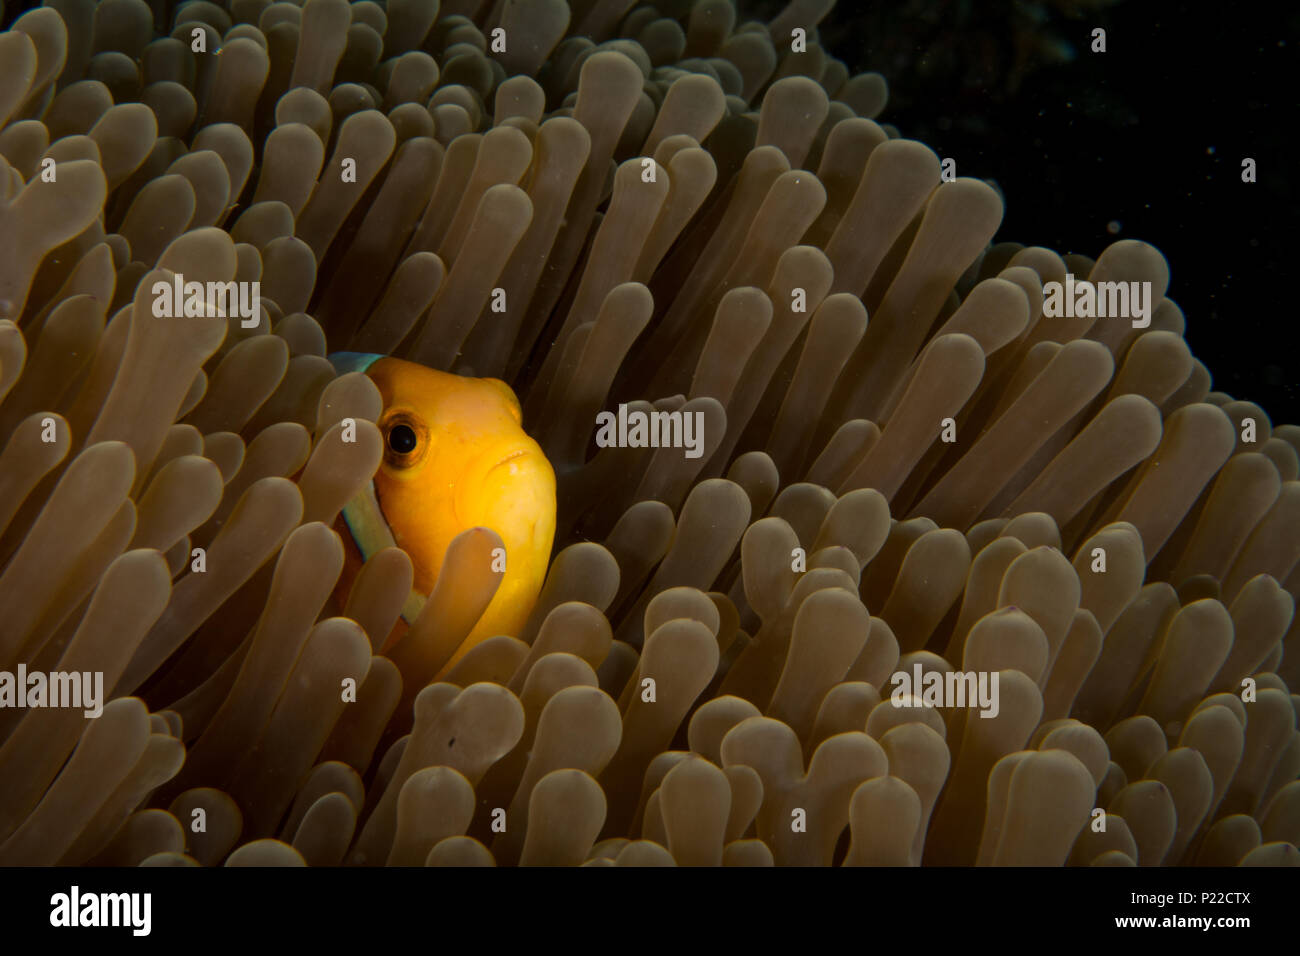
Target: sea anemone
(906, 466)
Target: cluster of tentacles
(906, 464)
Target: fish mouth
(520, 453)
(493, 494)
(514, 464)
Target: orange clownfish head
(455, 457)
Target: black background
(357, 909)
(1150, 134)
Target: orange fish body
(455, 457)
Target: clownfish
(456, 457)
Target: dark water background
(1149, 134)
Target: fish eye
(402, 439)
